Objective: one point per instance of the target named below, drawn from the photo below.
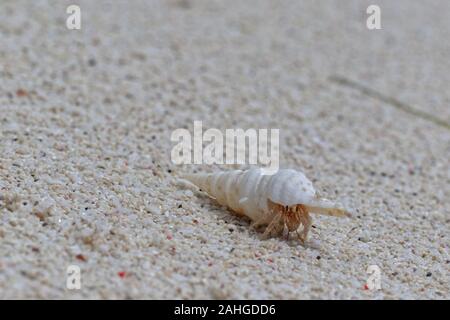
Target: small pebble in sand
(81, 257)
(21, 93)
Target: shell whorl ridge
(248, 192)
(289, 187)
(237, 189)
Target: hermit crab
(279, 201)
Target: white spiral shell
(248, 192)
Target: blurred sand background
(85, 123)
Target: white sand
(85, 124)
